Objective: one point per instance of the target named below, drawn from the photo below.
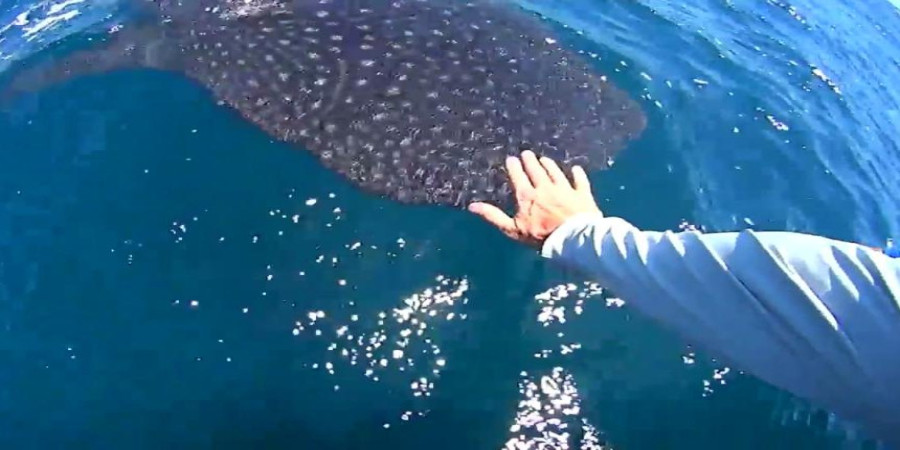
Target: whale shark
(420, 101)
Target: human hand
(545, 199)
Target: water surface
(165, 267)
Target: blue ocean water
(170, 277)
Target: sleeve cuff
(553, 245)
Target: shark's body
(418, 100)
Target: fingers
(495, 216)
(580, 179)
(536, 172)
(553, 171)
(529, 172)
(517, 175)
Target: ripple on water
(399, 343)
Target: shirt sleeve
(814, 316)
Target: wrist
(553, 244)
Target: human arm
(814, 316)
(811, 315)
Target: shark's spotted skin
(419, 100)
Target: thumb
(494, 216)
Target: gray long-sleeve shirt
(817, 317)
